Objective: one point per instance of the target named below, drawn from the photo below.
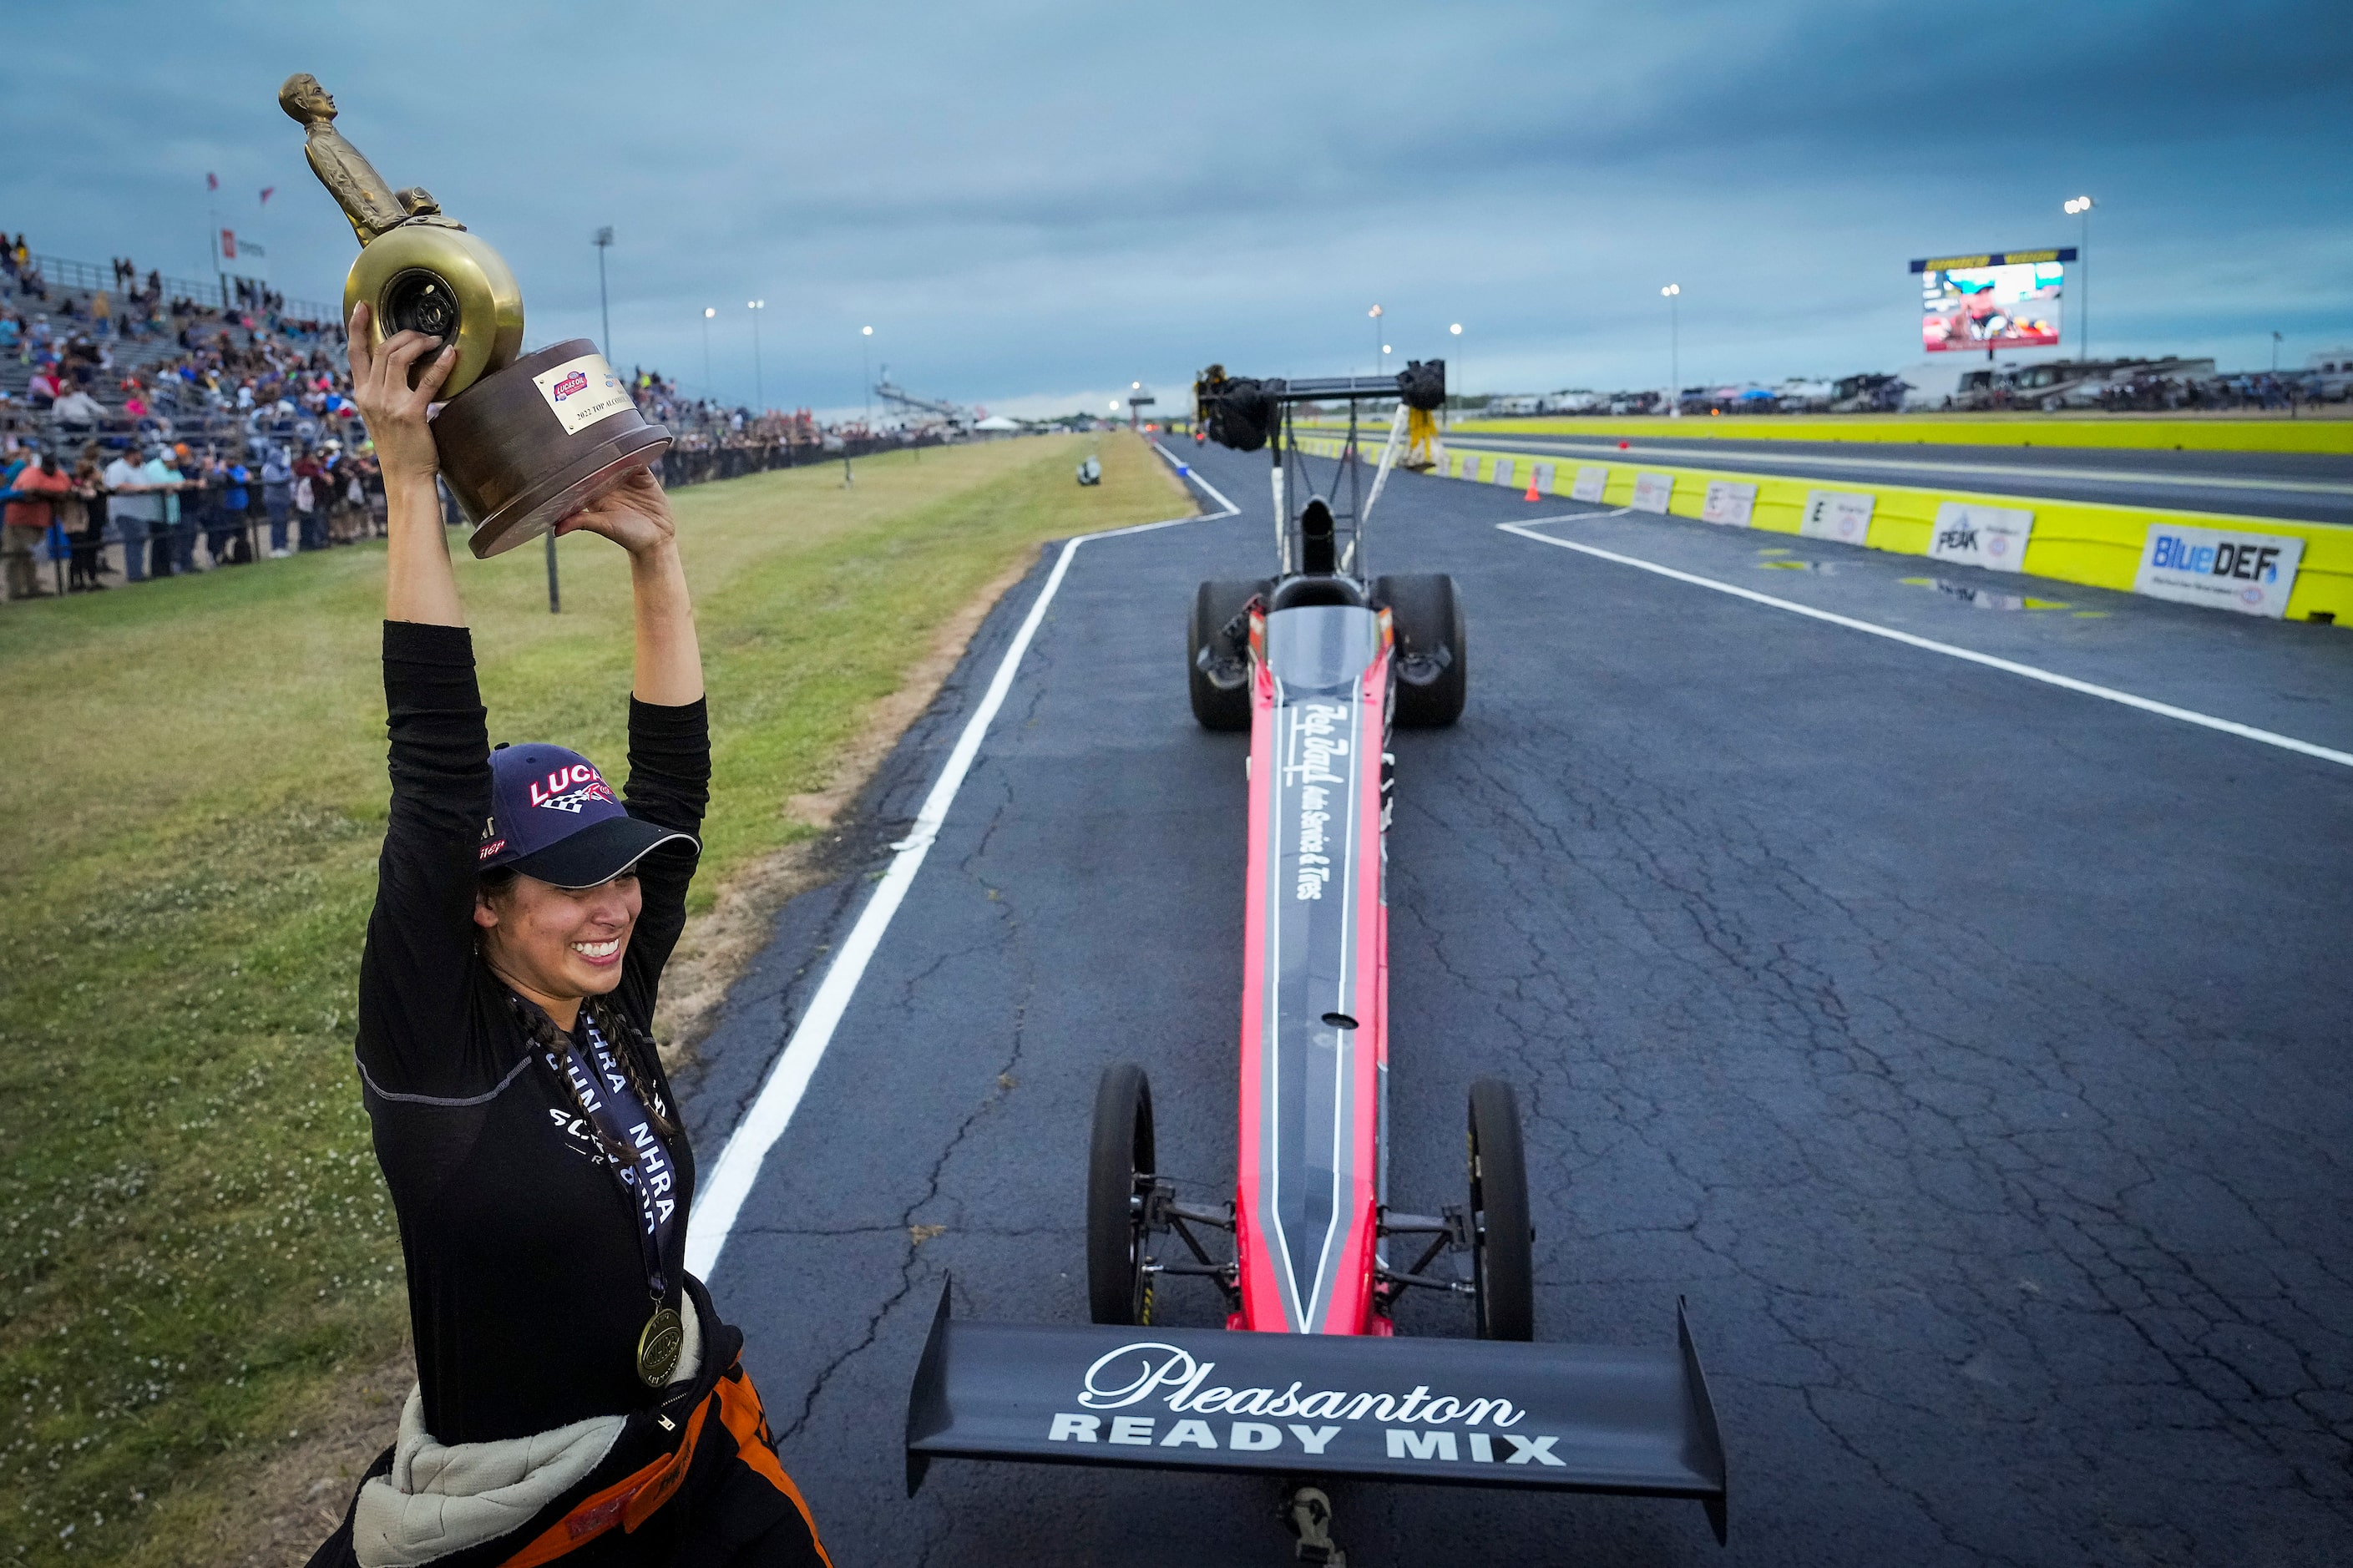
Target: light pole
(604, 309)
(866, 373)
(1379, 349)
(2275, 344)
(759, 385)
(2082, 207)
(1455, 329)
(1673, 291)
(708, 311)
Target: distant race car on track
(1316, 662)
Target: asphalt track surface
(1970, 1052)
(2308, 487)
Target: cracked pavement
(1971, 1053)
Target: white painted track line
(720, 1197)
(2011, 666)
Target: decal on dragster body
(1314, 1031)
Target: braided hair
(627, 1040)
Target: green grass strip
(197, 1243)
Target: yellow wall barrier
(2330, 432)
(2091, 542)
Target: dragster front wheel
(1504, 1242)
(1119, 1183)
(1217, 660)
(1433, 662)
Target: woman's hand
(635, 515)
(393, 410)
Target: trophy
(526, 439)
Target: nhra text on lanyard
(618, 1115)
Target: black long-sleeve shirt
(526, 1283)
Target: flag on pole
(266, 191)
(212, 182)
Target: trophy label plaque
(525, 440)
(518, 465)
(581, 391)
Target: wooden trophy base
(531, 445)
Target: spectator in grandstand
(79, 410)
(277, 497)
(84, 515)
(137, 506)
(42, 390)
(35, 483)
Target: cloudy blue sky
(1034, 204)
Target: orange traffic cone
(1532, 494)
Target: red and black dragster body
(1317, 663)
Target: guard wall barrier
(2096, 543)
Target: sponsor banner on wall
(1842, 515)
(1971, 535)
(2250, 572)
(1592, 482)
(1503, 475)
(1729, 502)
(1653, 491)
(1543, 479)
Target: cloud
(1026, 197)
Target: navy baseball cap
(552, 816)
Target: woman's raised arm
(418, 584)
(637, 517)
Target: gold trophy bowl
(525, 440)
(447, 284)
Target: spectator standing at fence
(160, 472)
(84, 514)
(232, 527)
(310, 476)
(371, 479)
(135, 507)
(277, 497)
(184, 503)
(34, 489)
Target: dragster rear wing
(1241, 412)
(1587, 1419)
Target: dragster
(1309, 1380)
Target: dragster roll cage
(1240, 412)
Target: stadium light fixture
(1673, 291)
(865, 376)
(708, 311)
(2081, 207)
(759, 384)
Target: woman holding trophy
(578, 1396)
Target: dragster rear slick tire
(1120, 1164)
(1433, 670)
(1504, 1244)
(1217, 673)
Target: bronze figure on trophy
(526, 439)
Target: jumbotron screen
(2002, 300)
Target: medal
(658, 1347)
